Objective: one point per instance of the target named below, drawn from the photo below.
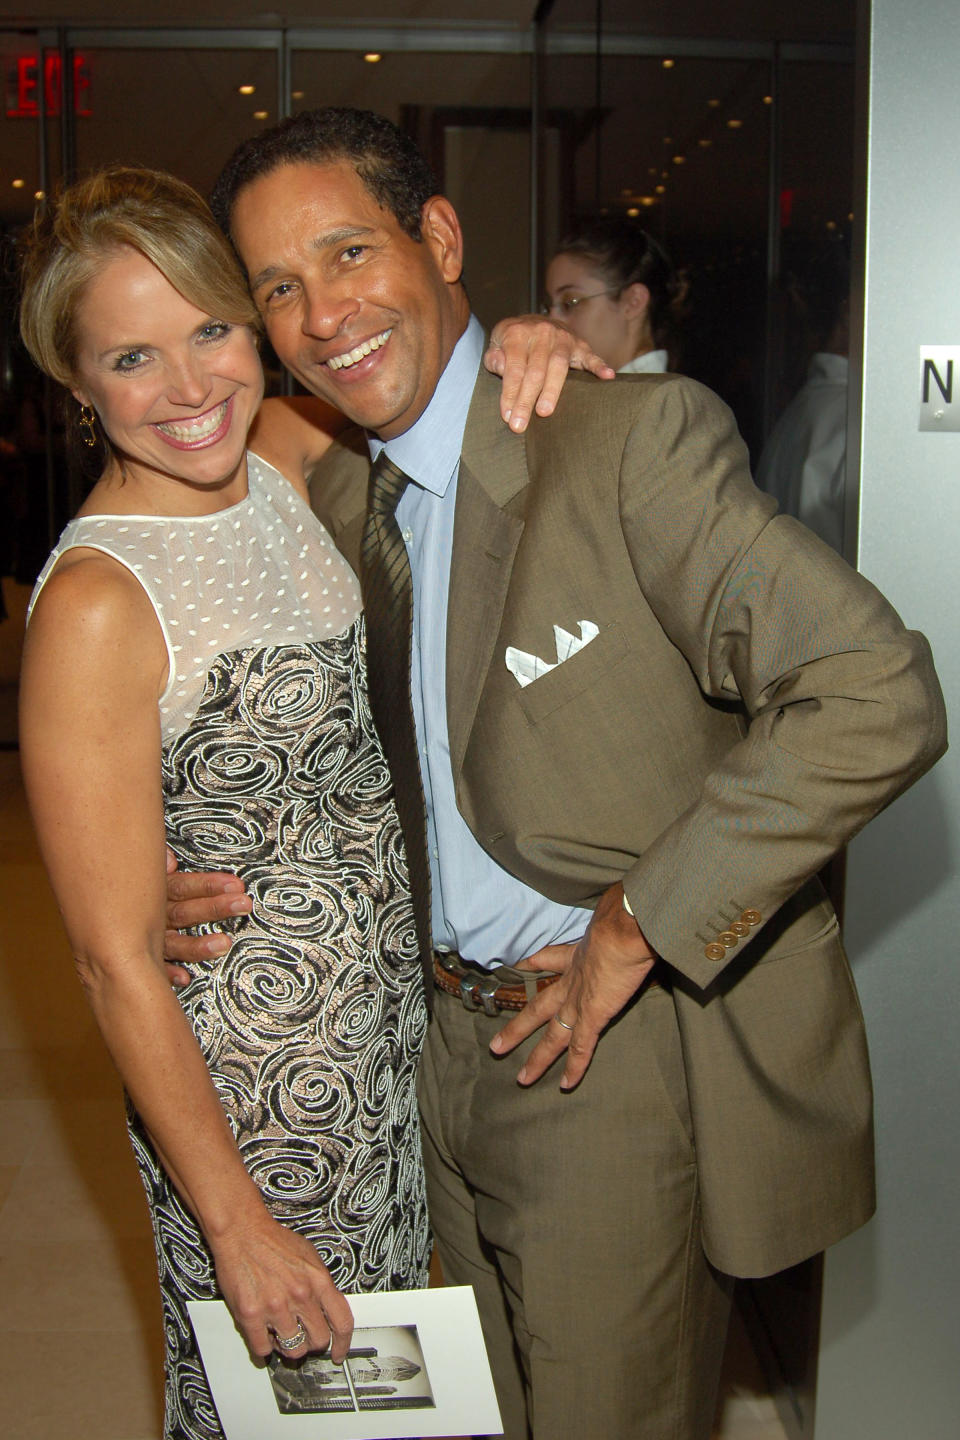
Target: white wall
(891, 1321)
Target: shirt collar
(429, 452)
(651, 362)
(824, 365)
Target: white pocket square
(525, 668)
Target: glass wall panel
(815, 214)
(180, 110)
(683, 144)
(32, 111)
(34, 97)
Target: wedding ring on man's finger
(562, 1022)
(294, 1341)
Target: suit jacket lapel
(493, 472)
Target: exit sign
(37, 80)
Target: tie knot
(387, 484)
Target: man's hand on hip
(608, 967)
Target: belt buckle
(467, 986)
(486, 991)
(476, 988)
(480, 990)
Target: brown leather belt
(487, 990)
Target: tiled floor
(80, 1339)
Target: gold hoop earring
(88, 426)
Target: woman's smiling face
(175, 388)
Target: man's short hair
(387, 161)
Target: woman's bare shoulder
(93, 609)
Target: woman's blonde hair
(149, 211)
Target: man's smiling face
(361, 314)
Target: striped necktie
(388, 601)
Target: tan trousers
(575, 1219)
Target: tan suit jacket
(748, 704)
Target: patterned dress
(312, 1024)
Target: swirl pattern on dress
(312, 1024)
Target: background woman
(613, 284)
(193, 672)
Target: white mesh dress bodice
(312, 1024)
(262, 571)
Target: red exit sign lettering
(33, 81)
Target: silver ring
(562, 1022)
(295, 1340)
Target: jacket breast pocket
(588, 668)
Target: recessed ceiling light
(246, 89)
(668, 64)
(647, 200)
(296, 95)
(633, 212)
(768, 99)
(261, 114)
(734, 124)
(704, 143)
(679, 159)
(18, 184)
(660, 189)
(714, 104)
(39, 195)
(372, 56)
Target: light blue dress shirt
(478, 908)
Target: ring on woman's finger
(295, 1340)
(562, 1022)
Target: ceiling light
(19, 184)
(734, 124)
(768, 99)
(633, 212)
(647, 200)
(660, 189)
(679, 159)
(372, 56)
(261, 114)
(296, 94)
(668, 64)
(668, 139)
(39, 195)
(714, 104)
(704, 143)
(246, 89)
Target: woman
(193, 672)
(613, 285)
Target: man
(647, 710)
(803, 465)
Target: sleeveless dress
(312, 1024)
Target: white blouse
(261, 572)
